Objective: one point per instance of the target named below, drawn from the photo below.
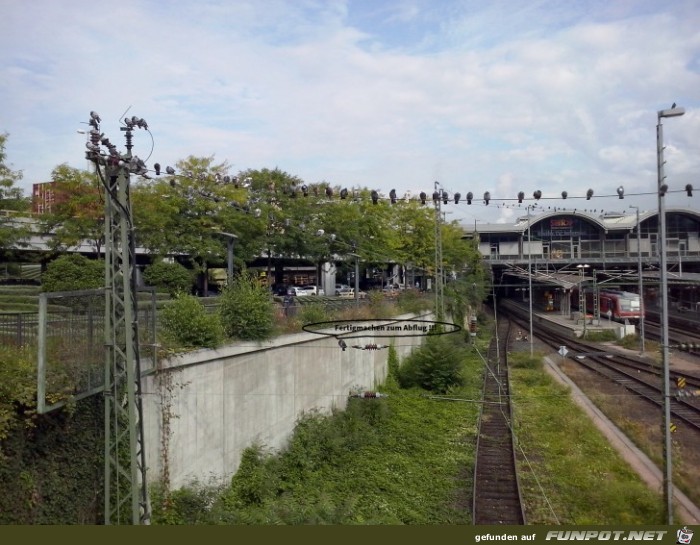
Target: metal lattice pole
(126, 492)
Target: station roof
(606, 221)
(566, 281)
(569, 280)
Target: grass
(396, 460)
(642, 425)
(569, 472)
(408, 459)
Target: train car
(613, 304)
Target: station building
(564, 249)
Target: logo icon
(684, 535)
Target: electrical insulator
(369, 395)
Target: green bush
(436, 366)
(186, 321)
(410, 301)
(313, 313)
(247, 309)
(170, 277)
(73, 272)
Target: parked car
(349, 293)
(390, 292)
(339, 288)
(314, 290)
(297, 291)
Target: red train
(613, 304)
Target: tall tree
(77, 214)
(12, 201)
(186, 213)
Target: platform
(572, 323)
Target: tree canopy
(12, 200)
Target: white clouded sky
(498, 95)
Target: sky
(500, 95)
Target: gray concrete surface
(223, 401)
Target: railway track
(496, 488)
(631, 373)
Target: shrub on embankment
(403, 459)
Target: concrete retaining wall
(222, 401)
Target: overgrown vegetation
(569, 472)
(186, 322)
(396, 460)
(436, 366)
(17, 390)
(54, 471)
(601, 336)
(247, 310)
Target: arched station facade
(563, 249)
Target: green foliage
(17, 389)
(170, 277)
(569, 461)
(629, 341)
(436, 366)
(53, 471)
(397, 460)
(185, 506)
(78, 215)
(601, 336)
(312, 313)
(411, 302)
(11, 198)
(73, 272)
(256, 480)
(247, 309)
(392, 364)
(186, 321)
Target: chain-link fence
(70, 339)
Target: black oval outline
(358, 334)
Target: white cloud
(481, 96)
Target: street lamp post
(582, 295)
(529, 277)
(230, 240)
(662, 188)
(641, 284)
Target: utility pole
(126, 492)
(666, 427)
(439, 289)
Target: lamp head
(671, 112)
